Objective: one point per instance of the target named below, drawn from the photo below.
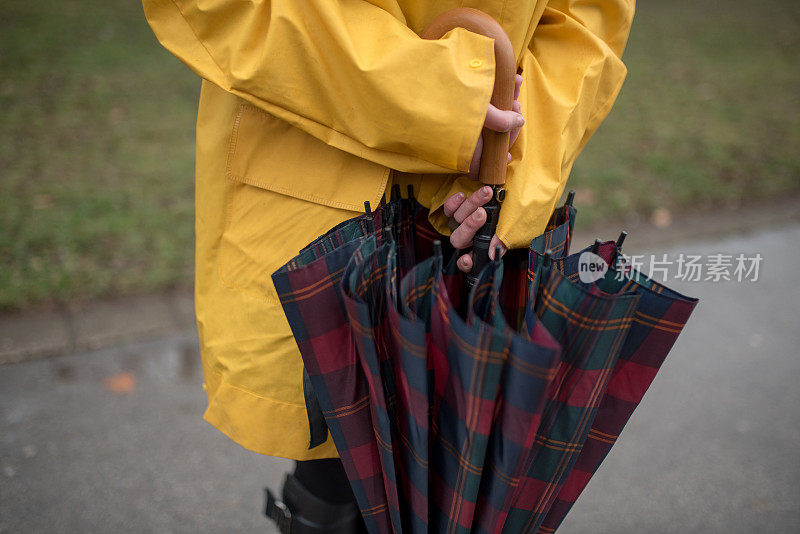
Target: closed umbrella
(468, 422)
(456, 411)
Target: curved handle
(495, 144)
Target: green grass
(708, 116)
(96, 152)
(97, 121)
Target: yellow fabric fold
(347, 72)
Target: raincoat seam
(210, 55)
(263, 297)
(503, 12)
(231, 150)
(292, 193)
(247, 391)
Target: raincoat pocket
(270, 153)
(284, 188)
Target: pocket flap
(270, 153)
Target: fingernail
(520, 120)
(476, 216)
(459, 196)
(486, 191)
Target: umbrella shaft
(483, 238)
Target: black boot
(302, 512)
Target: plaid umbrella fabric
(409, 322)
(660, 317)
(517, 292)
(308, 287)
(486, 417)
(365, 293)
(480, 423)
(591, 328)
(530, 367)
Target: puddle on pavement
(190, 362)
(65, 373)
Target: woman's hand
(467, 214)
(499, 121)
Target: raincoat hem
(232, 409)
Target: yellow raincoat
(306, 108)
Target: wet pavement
(113, 440)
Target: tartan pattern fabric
(514, 292)
(308, 288)
(409, 322)
(364, 287)
(557, 236)
(470, 359)
(483, 417)
(591, 328)
(660, 317)
(529, 369)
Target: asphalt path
(113, 440)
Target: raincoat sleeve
(348, 72)
(572, 72)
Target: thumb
(502, 121)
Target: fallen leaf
(661, 218)
(121, 383)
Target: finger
(513, 138)
(472, 203)
(463, 235)
(517, 85)
(515, 132)
(493, 244)
(453, 202)
(516, 106)
(475, 164)
(502, 121)
(465, 263)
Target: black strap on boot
(302, 512)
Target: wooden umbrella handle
(495, 144)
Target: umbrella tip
(437, 248)
(368, 217)
(388, 234)
(548, 256)
(498, 254)
(596, 245)
(570, 198)
(396, 192)
(410, 191)
(621, 239)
